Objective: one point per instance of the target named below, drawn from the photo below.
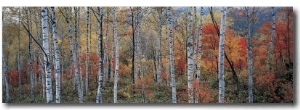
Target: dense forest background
(147, 54)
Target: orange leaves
(268, 84)
(124, 70)
(204, 92)
(266, 28)
(243, 46)
(146, 80)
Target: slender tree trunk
(106, 61)
(159, 47)
(134, 48)
(171, 40)
(116, 53)
(142, 77)
(5, 74)
(43, 81)
(221, 56)
(46, 58)
(28, 15)
(78, 44)
(100, 50)
(272, 40)
(138, 44)
(87, 51)
(199, 55)
(139, 49)
(77, 80)
(289, 10)
(56, 57)
(169, 83)
(19, 52)
(195, 34)
(112, 61)
(249, 58)
(190, 56)
(38, 35)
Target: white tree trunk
(139, 51)
(106, 63)
(75, 64)
(135, 69)
(159, 46)
(46, 58)
(171, 40)
(272, 40)
(87, 52)
(167, 55)
(190, 55)
(138, 45)
(5, 75)
(28, 16)
(56, 57)
(78, 45)
(19, 52)
(116, 53)
(42, 67)
(38, 35)
(199, 55)
(221, 56)
(100, 54)
(250, 62)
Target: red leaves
(13, 77)
(243, 46)
(181, 65)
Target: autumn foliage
(269, 86)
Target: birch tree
(116, 54)
(38, 34)
(251, 17)
(133, 69)
(167, 50)
(160, 14)
(5, 74)
(190, 55)
(171, 40)
(29, 25)
(74, 58)
(272, 40)
(46, 57)
(138, 42)
(101, 57)
(199, 54)
(56, 57)
(221, 56)
(135, 47)
(106, 49)
(78, 44)
(87, 51)
(19, 52)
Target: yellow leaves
(232, 48)
(124, 69)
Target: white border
(154, 3)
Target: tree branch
(36, 42)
